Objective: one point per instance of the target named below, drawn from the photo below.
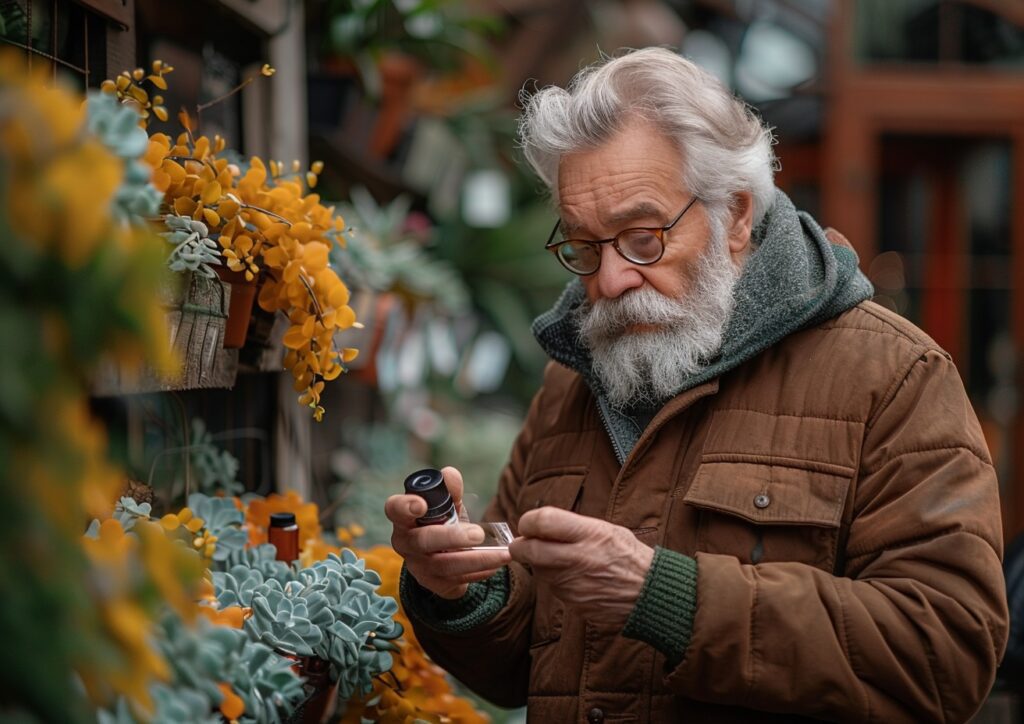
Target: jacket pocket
(763, 511)
(559, 487)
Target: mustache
(645, 306)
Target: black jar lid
(282, 520)
(429, 485)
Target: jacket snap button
(761, 501)
(595, 716)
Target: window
(939, 31)
(64, 36)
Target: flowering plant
(75, 287)
(258, 619)
(265, 223)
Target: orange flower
(426, 693)
(271, 227)
(316, 549)
(205, 591)
(232, 616)
(307, 515)
(231, 706)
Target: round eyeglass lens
(580, 257)
(641, 246)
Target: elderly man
(744, 491)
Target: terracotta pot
(243, 294)
(321, 692)
(398, 76)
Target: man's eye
(641, 242)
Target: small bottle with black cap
(283, 534)
(429, 485)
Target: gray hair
(725, 147)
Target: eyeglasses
(639, 246)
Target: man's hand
(432, 552)
(593, 566)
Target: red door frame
(869, 102)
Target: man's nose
(615, 275)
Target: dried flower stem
(200, 108)
(319, 310)
(265, 211)
(266, 71)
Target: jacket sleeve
(483, 639)
(914, 629)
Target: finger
(555, 524)
(480, 576)
(541, 554)
(453, 480)
(403, 510)
(437, 538)
(455, 564)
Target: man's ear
(741, 222)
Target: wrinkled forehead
(635, 124)
(636, 175)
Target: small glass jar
(283, 534)
(429, 485)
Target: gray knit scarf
(794, 279)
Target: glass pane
(986, 179)
(945, 263)
(897, 30)
(57, 30)
(932, 31)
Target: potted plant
(328, 617)
(391, 44)
(271, 231)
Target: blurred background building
(899, 122)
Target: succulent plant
(171, 705)
(127, 511)
(263, 679)
(117, 127)
(261, 559)
(223, 520)
(381, 254)
(331, 611)
(290, 618)
(120, 715)
(192, 248)
(235, 586)
(214, 470)
(175, 704)
(359, 640)
(204, 659)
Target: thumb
(453, 481)
(554, 524)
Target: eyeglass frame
(659, 232)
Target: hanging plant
(76, 287)
(265, 223)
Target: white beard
(650, 365)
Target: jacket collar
(795, 278)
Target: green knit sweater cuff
(481, 602)
(664, 611)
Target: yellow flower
(316, 549)
(55, 208)
(175, 571)
(130, 626)
(307, 516)
(424, 692)
(231, 706)
(232, 616)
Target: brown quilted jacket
(864, 585)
